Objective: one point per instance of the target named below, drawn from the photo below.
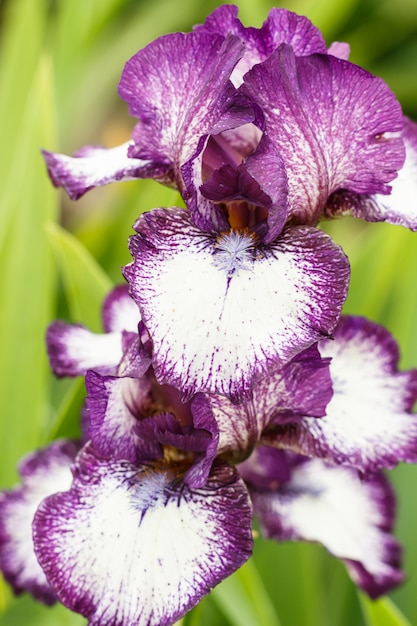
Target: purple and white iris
(162, 496)
(226, 383)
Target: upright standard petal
(400, 206)
(222, 310)
(335, 125)
(281, 26)
(351, 517)
(133, 545)
(43, 473)
(178, 86)
(368, 424)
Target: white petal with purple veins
(132, 545)
(352, 518)
(220, 315)
(120, 312)
(368, 423)
(43, 473)
(278, 397)
(73, 349)
(93, 166)
(115, 405)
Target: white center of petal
(234, 251)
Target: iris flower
(226, 384)
(263, 132)
(159, 506)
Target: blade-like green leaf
(27, 282)
(382, 612)
(28, 612)
(243, 599)
(85, 283)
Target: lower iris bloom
(159, 506)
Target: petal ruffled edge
(202, 338)
(43, 473)
(368, 423)
(94, 166)
(351, 517)
(131, 544)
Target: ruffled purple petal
(190, 287)
(203, 421)
(73, 349)
(369, 424)
(400, 206)
(178, 87)
(136, 359)
(281, 26)
(93, 166)
(352, 518)
(302, 384)
(43, 473)
(115, 405)
(120, 312)
(133, 545)
(335, 125)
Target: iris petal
(220, 313)
(43, 473)
(132, 545)
(352, 518)
(335, 126)
(368, 423)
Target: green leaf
(27, 611)
(27, 276)
(243, 599)
(85, 283)
(382, 612)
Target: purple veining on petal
(133, 545)
(279, 396)
(203, 339)
(369, 424)
(352, 518)
(400, 206)
(115, 405)
(93, 166)
(204, 421)
(166, 429)
(43, 473)
(178, 86)
(120, 312)
(73, 349)
(335, 126)
(281, 26)
(136, 359)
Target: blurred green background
(60, 62)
